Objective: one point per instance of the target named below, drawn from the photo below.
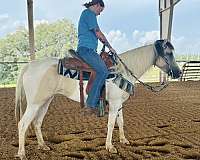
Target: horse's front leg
(120, 123)
(111, 123)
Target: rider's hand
(112, 50)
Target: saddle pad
(71, 73)
(74, 74)
(121, 82)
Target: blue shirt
(86, 35)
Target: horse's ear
(170, 45)
(167, 43)
(164, 44)
(158, 46)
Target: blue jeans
(95, 61)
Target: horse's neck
(138, 60)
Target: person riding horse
(88, 35)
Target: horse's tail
(20, 98)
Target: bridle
(163, 56)
(152, 88)
(157, 88)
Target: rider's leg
(95, 61)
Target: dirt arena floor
(160, 126)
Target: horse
(39, 81)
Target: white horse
(39, 81)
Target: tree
(51, 40)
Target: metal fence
(191, 71)
(9, 72)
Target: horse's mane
(139, 59)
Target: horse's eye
(170, 53)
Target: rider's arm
(103, 39)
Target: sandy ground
(163, 125)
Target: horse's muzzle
(175, 74)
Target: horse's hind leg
(120, 123)
(37, 122)
(24, 123)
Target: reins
(157, 88)
(149, 87)
(152, 88)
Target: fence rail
(13, 62)
(9, 71)
(191, 71)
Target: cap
(98, 1)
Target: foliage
(51, 40)
(188, 57)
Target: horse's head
(165, 58)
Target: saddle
(76, 63)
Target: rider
(88, 35)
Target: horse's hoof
(124, 141)
(22, 157)
(44, 147)
(112, 150)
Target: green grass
(7, 85)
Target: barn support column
(31, 29)
(166, 8)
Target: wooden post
(31, 29)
